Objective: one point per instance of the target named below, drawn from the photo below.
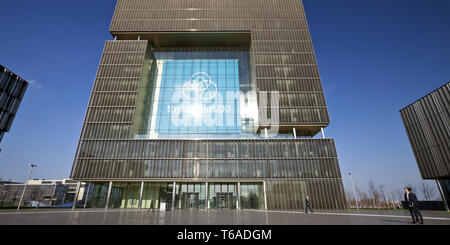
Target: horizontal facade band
(327, 168)
(195, 180)
(206, 158)
(108, 122)
(169, 19)
(216, 139)
(105, 64)
(107, 77)
(125, 92)
(190, 9)
(111, 106)
(292, 107)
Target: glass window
(195, 93)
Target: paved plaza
(215, 217)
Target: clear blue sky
(375, 57)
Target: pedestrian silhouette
(308, 204)
(409, 208)
(413, 204)
(151, 206)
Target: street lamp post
(26, 183)
(354, 192)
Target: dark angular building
(12, 90)
(427, 124)
(208, 105)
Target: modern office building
(427, 124)
(12, 89)
(208, 104)
(42, 193)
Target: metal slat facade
(427, 123)
(283, 61)
(12, 90)
(284, 58)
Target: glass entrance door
(189, 200)
(224, 200)
(222, 195)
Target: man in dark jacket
(409, 208)
(308, 204)
(413, 204)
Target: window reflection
(198, 92)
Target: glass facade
(124, 195)
(99, 195)
(445, 185)
(222, 196)
(198, 92)
(190, 195)
(252, 196)
(158, 194)
(277, 194)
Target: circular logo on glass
(200, 87)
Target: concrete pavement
(214, 217)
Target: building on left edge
(12, 90)
(43, 193)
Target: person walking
(406, 201)
(151, 207)
(308, 204)
(413, 203)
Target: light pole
(26, 183)
(354, 192)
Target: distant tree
(5, 192)
(363, 197)
(394, 197)
(375, 194)
(382, 190)
(413, 187)
(400, 194)
(15, 196)
(350, 200)
(427, 190)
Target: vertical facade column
(265, 133)
(53, 194)
(207, 197)
(295, 133)
(444, 199)
(239, 196)
(173, 194)
(108, 195)
(87, 194)
(140, 195)
(323, 133)
(265, 195)
(75, 198)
